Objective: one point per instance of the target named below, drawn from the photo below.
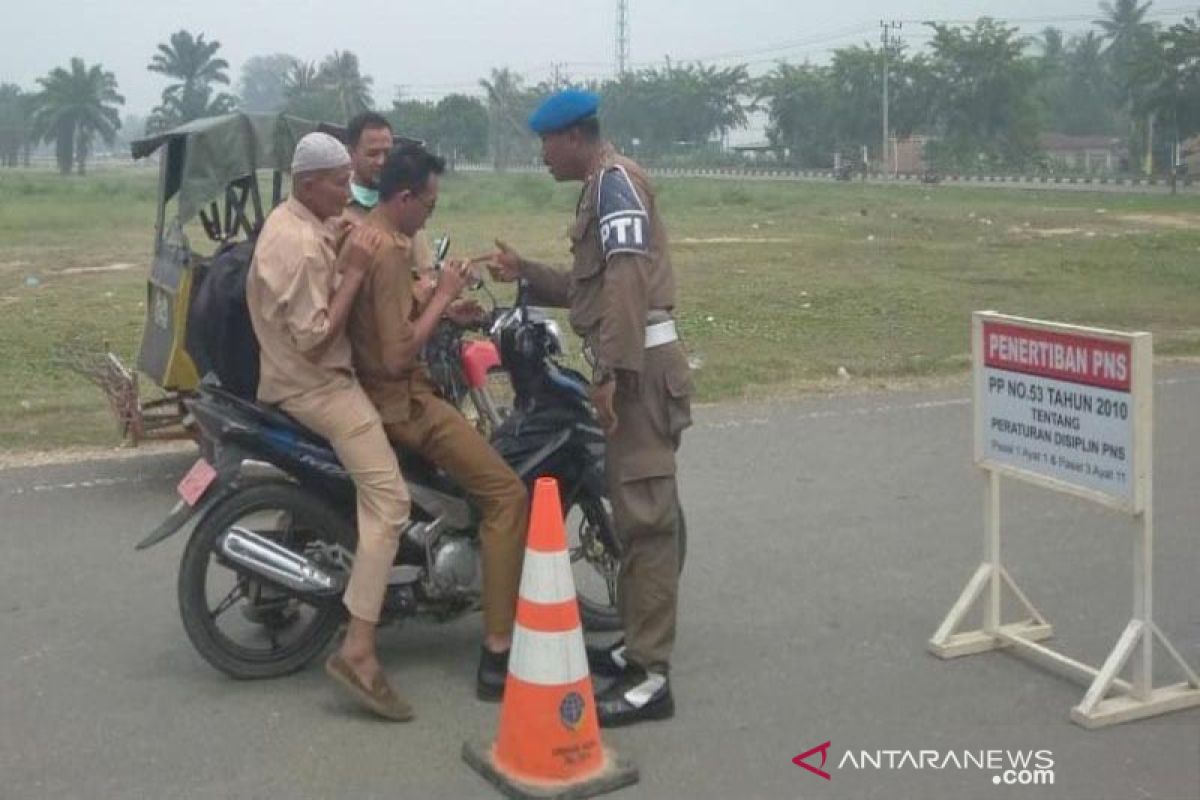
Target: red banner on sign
(1065, 357)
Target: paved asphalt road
(828, 538)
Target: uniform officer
(621, 293)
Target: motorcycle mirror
(443, 247)
(522, 290)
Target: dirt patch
(731, 240)
(1056, 231)
(1046, 233)
(120, 267)
(1179, 221)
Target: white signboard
(1063, 405)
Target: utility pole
(622, 36)
(886, 35)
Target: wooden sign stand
(1109, 699)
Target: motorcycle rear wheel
(309, 628)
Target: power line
(816, 39)
(813, 44)
(1153, 13)
(805, 44)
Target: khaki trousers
(640, 456)
(343, 414)
(439, 433)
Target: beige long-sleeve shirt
(291, 282)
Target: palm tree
(1053, 50)
(14, 123)
(1172, 85)
(73, 107)
(191, 60)
(307, 96)
(179, 106)
(300, 80)
(1124, 24)
(339, 74)
(504, 97)
(1086, 100)
(1129, 37)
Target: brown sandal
(378, 697)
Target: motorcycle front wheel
(595, 559)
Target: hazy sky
(433, 48)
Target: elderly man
(300, 294)
(621, 292)
(387, 336)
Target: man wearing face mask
(370, 138)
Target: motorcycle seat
(412, 465)
(266, 415)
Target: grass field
(781, 284)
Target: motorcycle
(275, 532)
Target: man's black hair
(408, 168)
(367, 119)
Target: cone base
(616, 774)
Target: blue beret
(563, 109)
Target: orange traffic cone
(548, 745)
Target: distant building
(760, 152)
(907, 156)
(1189, 154)
(1084, 153)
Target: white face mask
(365, 197)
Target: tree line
(981, 94)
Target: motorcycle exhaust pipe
(276, 563)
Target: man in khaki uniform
(300, 294)
(370, 138)
(387, 337)
(621, 292)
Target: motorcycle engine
(456, 567)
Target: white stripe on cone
(548, 659)
(546, 578)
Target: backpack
(220, 338)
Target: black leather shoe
(607, 662)
(636, 697)
(493, 672)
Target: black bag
(220, 338)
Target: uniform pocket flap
(679, 383)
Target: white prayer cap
(319, 151)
